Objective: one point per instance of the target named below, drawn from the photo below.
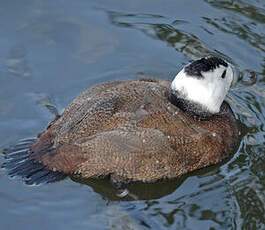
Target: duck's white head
(205, 83)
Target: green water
(51, 50)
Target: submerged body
(131, 131)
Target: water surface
(51, 50)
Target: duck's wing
(133, 153)
(128, 154)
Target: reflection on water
(137, 191)
(254, 10)
(54, 50)
(185, 43)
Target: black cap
(204, 65)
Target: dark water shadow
(143, 191)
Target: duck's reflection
(143, 191)
(136, 191)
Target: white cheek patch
(208, 91)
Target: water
(51, 50)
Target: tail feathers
(18, 163)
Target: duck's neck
(194, 109)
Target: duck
(141, 130)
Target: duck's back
(132, 132)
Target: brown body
(132, 132)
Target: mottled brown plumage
(132, 132)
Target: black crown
(204, 65)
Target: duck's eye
(223, 74)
